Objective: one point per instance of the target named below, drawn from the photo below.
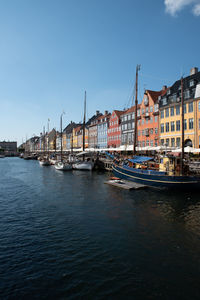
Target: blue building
(102, 130)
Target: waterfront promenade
(70, 236)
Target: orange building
(148, 120)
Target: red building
(148, 122)
(114, 129)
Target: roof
(118, 112)
(175, 89)
(140, 159)
(68, 129)
(93, 118)
(155, 94)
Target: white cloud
(196, 10)
(174, 6)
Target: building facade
(170, 112)
(148, 123)
(102, 130)
(114, 130)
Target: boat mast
(136, 105)
(61, 136)
(183, 128)
(84, 125)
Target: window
(178, 110)
(178, 142)
(167, 142)
(138, 112)
(164, 101)
(190, 107)
(156, 119)
(172, 126)
(199, 123)
(147, 109)
(156, 107)
(166, 112)
(185, 124)
(133, 124)
(143, 132)
(125, 118)
(167, 127)
(133, 115)
(156, 130)
(162, 142)
(172, 142)
(151, 108)
(142, 121)
(138, 132)
(162, 112)
(184, 108)
(172, 111)
(147, 121)
(191, 121)
(199, 106)
(162, 128)
(129, 117)
(142, 110)
(187, 94)
(143, 143)
(139, 122)
(151, 131)
(129, 125)
(151, 120)
(191, 83)
(178, 126)
(147, 143)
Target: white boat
(63, 166)
(2, 156)
(44, 162)
(52, 161)
(83, 165)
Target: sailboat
(61, 165)
(167, 173)
(84, 164)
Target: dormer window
(168, 92)
(191, 83)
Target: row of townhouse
(158, 122)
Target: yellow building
(170, 124)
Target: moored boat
(63, 166)
(155, 178)
(84, 165)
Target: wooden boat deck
(125, 184)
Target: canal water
(70, 236)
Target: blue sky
(52, 51)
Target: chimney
(193, 71)
(164, 87)
(106, 112)
(97, 112)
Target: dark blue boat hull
(156, 179)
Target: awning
(140, 159)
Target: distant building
(148, 124)
(128, 126)
(102, 130)
(92, 130)
(114, 130)
(8, 147)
